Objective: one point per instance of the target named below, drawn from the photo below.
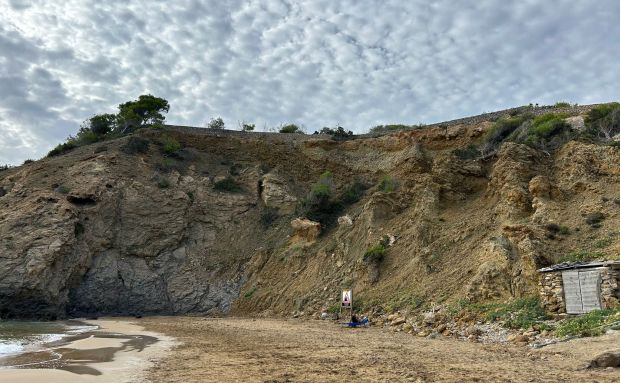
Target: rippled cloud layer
(315, 63)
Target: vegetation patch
(521, 313)
(547, 125)
(249, 294)
(163, 183)
(581, 256)
(228, 184)
(388, 184)
(170, 145)
(594, 218)
(291, 128)
(136, 145)
(603, 121)
(268, 216)
(394, 127)
(469, 152)
(338, 133)
(591, 324)
(146, 111)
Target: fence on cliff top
(297, 137)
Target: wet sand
(119, 351)
(270, 350)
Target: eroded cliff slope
(106, 229)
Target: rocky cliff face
(103, 231)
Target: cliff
(105, 229)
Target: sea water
(20, 336)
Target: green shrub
(100, 148)
(403, 301)
(63, 148)
(136, 145)
(337, 133)
(594, 218)
(501, 130)
(521, 313)
(163, 183)
(580, 256)
(394, 127)
(62, 189)
(591, 324)
(227, 184)
(249, 293)
(28, 161)
(290, 128)
(216, 123)
(548, 125)
(562, 104)
(603, 121)
(268, 216)
(167, 165)
(171, 145)
(353, 192)
(376, 253)
(468, 153)
(603, 243)
(388, 184)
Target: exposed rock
(607, 359)
(345, 220)
(576, 123)
(398, 321)
(540, 187)
(275, 193)
(305, 230)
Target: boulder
(305, 229)
(606, 359)
(275, 194)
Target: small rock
(606, 359)
(518, 338)
(398, 321)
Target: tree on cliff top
(146, 110)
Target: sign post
(346, 301)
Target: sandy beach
(119, 351)
(269, 350)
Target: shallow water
(50, 345)
(17, 337)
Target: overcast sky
(356, 63)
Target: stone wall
(292, 137)
(552, 292)
(609, 288)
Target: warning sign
(346, 299)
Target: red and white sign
(347, 299)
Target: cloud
(316, 62)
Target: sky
(354, 63)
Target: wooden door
(582, 291)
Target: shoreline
(119, 350)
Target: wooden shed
(580, 287)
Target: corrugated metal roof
(577, 265)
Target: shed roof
(578, 265)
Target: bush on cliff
(136, 145)
(147, 110)
(227, 184)
(322, 205)
(603, 121)
(291, 128)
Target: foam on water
(10, 347)
(18, 337)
